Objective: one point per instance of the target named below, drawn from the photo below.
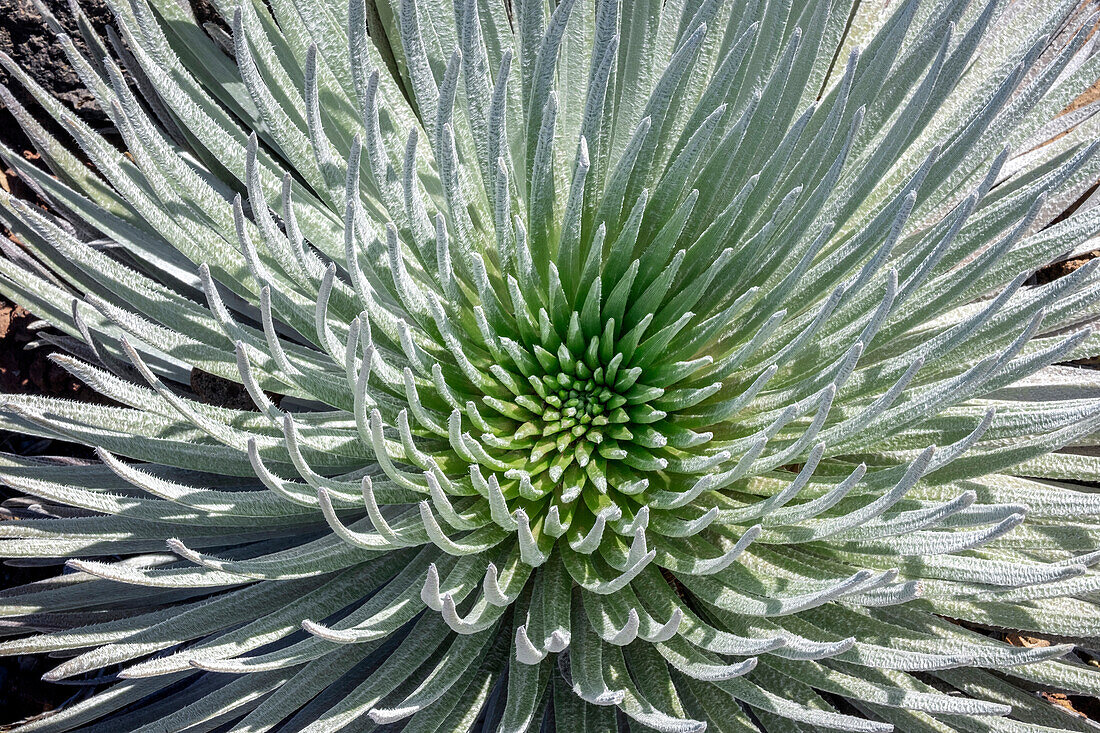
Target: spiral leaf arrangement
(615, 366)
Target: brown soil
(214, 390)
(26, 369)
(1051, 273)
(1084, 706)
(24, 36)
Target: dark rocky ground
(24, 371)
(25, 368)
(24, 36)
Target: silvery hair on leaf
(616, 365)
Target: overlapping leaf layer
(616, 365)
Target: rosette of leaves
(615, 365)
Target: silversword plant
(616, 365)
